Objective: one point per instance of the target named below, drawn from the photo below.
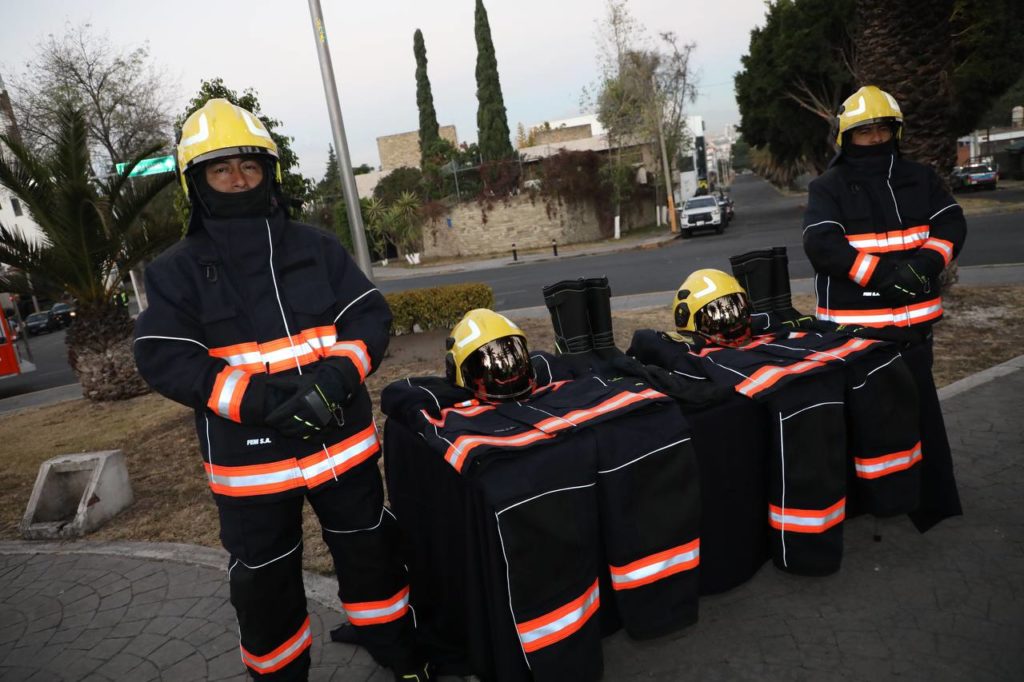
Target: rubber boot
(782, 299)
(753, 270)
(567, 303)
(599, 307)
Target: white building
(14, 215)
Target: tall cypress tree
(491, 119)
(424, 98)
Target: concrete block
(76, 494)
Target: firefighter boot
(753, 270)
(599, 307)
(567, 303)
(782, 300)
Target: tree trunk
(100, 353)
(907, 50)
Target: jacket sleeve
(826, 245)
(947, 229)
(174, 361)
(362, 320)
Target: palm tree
(907, 50)
(94, 231)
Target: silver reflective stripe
(657, 567)
(283, 656)
(890, 464)
(340, 458)
(244, 481)
(228, 390)
(366, 614)
(807, 522)
(249, 358)
(865, 263)
(294, 351)
(563, 622)
(357, 351)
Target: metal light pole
(348, 178)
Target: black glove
(334, 382)
(910, 277)
(305, 412)
(892, 284)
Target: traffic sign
(160, 164)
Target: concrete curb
(980, 378)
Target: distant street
(763, 218)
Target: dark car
(39, 323)
(63, 313)
(978, 176)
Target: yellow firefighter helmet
(218, 129)
(712, 304)
(867, 106)
(487, 354)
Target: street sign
(161, 164)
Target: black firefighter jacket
(863, 216)
(238, 300)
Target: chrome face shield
(726, 320)
(500, 370)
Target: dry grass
(172, 503)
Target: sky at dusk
(546, 52)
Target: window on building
(16, 205)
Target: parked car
(63, 313)
(701, 212)
(978, 176)
(39, 323)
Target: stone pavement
(947, 605)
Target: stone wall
(556, 135)
(520, 220)
(403, 149)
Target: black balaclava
(257, 202)
(856, 151)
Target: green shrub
(436, 307)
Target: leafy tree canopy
(398, 182)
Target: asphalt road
(763, 218)
(51, 359)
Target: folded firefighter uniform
(831, 397)
(234, 304)
(593, 487)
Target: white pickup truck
(701, 212)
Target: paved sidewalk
(948, 605)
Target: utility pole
(664, 162)
(348, 178)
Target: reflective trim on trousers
(806, 520)
(561, 623)
(656, 566)
(875, 467)
(282, 655)
(377, 612)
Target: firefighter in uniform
(267, 329)
(879, 230)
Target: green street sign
(161, 164)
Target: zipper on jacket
(277, 294)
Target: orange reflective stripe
(863, 267)
(893, 240)
(228, 391)
(656, 566)
(460, 448)
(806, 520)
(325, 466)
(561, 623)
(470, 411)
(942, 247)
(377, 612)
(282, 655)
(876, 467)
(355, 351)
(884, 317)
(254, 479)
(280, 355)
(241, 355)
(766, 377)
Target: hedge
(436, 307)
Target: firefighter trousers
(264, 540)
